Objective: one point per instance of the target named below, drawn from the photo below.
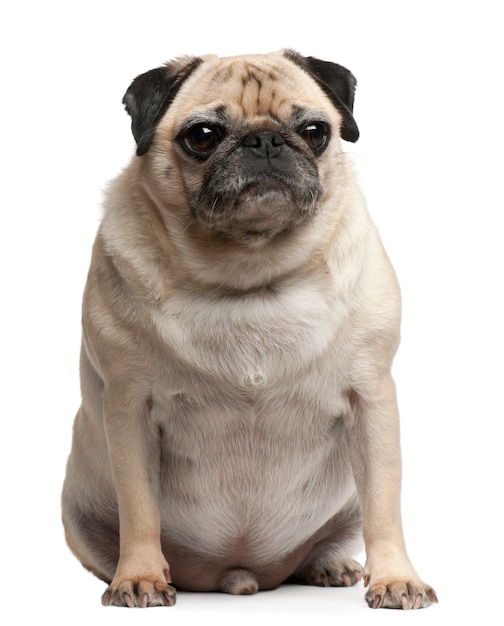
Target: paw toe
(331, 574)
(400, 595)
(141, 593)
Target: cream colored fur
(237, 395)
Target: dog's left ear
(338, 83)
(149, 96)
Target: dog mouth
(258, 206)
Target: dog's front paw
(139, 592)
(400, 594)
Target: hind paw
(327, 573)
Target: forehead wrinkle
(257, 90)
(250, 88)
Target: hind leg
(329, 571)
(93, 541)
(330, 562)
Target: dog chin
(259, 213)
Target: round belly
(259, 508)
(195, 568)
(250, 479)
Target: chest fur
(251, 339)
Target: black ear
(337, 83)
(149, 96)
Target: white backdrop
(430, 109)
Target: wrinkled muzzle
(264, 187)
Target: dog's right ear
(150, 94)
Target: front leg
(373, 434)
(142, 576)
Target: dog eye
(202, 139)
(316, 135)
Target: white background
(430, 110)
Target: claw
(128, 601)
(431, 594)
(404, 602)
(377, 601)
(169, 598)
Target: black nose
(264, 144)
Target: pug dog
(239, 425)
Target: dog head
(241, 147)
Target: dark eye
(316, 135)
(201, 139)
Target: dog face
(243, 144)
